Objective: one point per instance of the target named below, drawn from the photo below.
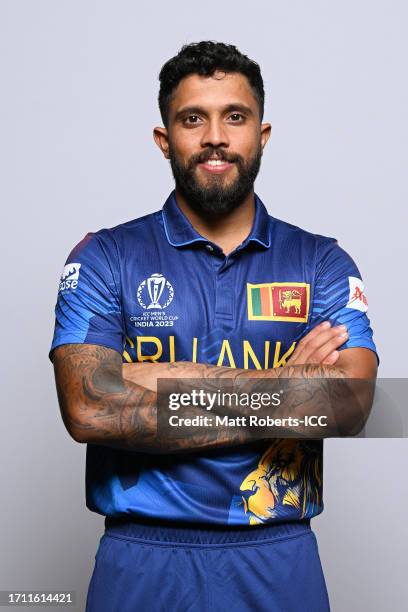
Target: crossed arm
(106, 402)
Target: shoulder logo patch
(278, 302)
(357, 297)
(69, 276)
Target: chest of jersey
(246, 310)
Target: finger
(324, 326)
(332, 358)
(325, 336)
(320, 354)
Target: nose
(215, 134)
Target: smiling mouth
(215, 166)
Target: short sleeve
(340, 297)
(88, 307)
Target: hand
(319, 345)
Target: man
(209, 287)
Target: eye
(237, 117)
(192, 119)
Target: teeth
(216, 162)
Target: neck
(227, 231)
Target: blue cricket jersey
(154, 289)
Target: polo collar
(180, 232)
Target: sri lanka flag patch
(278, 302)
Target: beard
(214, 198)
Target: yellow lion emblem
(288, 474)
(290, 299)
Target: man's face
(214, 141)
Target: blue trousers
(159, 568)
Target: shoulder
(131, 229)
(323, 253)
(109, 240)
(284, 231)
(135, 226)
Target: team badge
(357, 298)
(278, 302)
(155, 292)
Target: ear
(161, 138)
(266, 130)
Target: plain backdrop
(77, 107)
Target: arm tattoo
(99, 406)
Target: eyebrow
(199, 110)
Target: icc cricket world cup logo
(156, 291)
(155, 286)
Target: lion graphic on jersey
(288, 474)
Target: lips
(215, 166)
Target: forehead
(213, 92)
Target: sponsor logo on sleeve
(278, 302)
(69, 277)
(357, 297)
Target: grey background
(78, 103)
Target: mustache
(204, 156)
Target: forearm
(127, 418)
(344, 403)
(99, 406)
(147, 374)
(316, 390)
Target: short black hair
(205, 58)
